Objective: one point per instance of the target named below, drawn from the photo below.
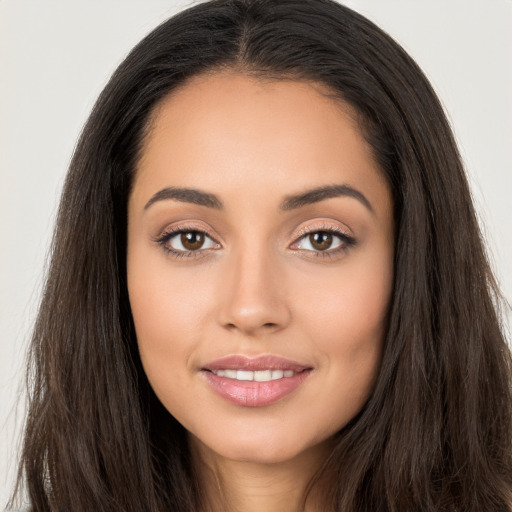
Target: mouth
(256, 376)
(255, 382)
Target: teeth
(258, 376)
(263, 376)
(243, 375)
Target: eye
(319, 241)
(184, 242)
(324, 242)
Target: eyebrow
(321, 193)
(195, 196)
(186, 195)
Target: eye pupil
(321, 240)
(192, 240)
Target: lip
(251, 393)
(254, 364)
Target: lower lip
(254, 394)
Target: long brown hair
(436, 433)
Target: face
(260, 264)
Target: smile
(254, 382)
(257, 376)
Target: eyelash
(347, 241)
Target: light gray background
(56, 55)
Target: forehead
(232, 132)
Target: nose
(253, 299)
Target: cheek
(347, 322)
(172, 307)
(163, 299)
(166, 316)
(351, 307)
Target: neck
(246, 486)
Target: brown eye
(321, 240)
(324, 242)
(184, 241)
(192, 240)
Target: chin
(257, 449)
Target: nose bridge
(254, 297)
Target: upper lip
(267, 362)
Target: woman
(268, 289)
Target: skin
(259, 286)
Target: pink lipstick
(254, 382)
